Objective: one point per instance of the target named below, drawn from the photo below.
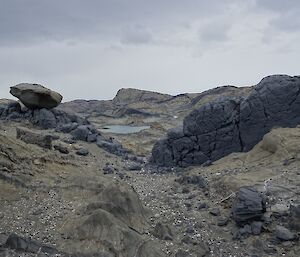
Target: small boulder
(61, 149)
(284, 234)
(163, 232)
(35, 96)
(82, 152)
(35, 138)
(248, 206)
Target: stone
(249, 205)
(82, 152)
(133, 166)
(215, 211)
(35, 96)
(62, 149)
(222, 221)
(27, 245)
(242, 233)
(193, 180)
(30, 137)
(231, 124)
(163, 232)
(256, 227)
(81, 133)
(284, 234)
(294, 217)
(45, 118)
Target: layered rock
(229, 125)
(248, 206)
(35, 96)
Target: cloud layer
(91, 48)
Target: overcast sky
(88, 49)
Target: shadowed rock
(249, 205)
(35, 96)
(229, 125)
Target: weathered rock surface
(35, 96)
(35, 138)
(249, 205)
(229, 125)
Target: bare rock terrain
(94, 193)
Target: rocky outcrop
(35, 96)
(132, 95)
(234, 124)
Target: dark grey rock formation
(229, 125)
(248, 206)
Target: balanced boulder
(35, 96)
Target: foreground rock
(229, 125)
(249, 205)
(44, 141)
(35, 96)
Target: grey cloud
(33, 21)
(137, 35)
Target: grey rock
(229, 125)
(81, 133)
(193, 180)
(242, 232)
(163, 231)
(67, 128)
(133, 166)
(294, 219)
(249, 205)
(35, 138)
(61, 149)
(215, 211)
(284, 234)
(256, 227)
(222, 221)
(45, 118)
(27, 245)
(35, 96)
(82, 152)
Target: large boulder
(35, 96)
(231, 124)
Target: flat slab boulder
(30, 137)
(35, 96)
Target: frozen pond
(123, 129)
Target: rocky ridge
(231, 124)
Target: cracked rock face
(230, 125)
(35, 96)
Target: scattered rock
(81, 132)
(215, 211)
(163, 232)
(82, 152)
(294, 220)
(35, 96)
(61, 149)
(256, 227)
(249, 205)
(284, 234)
(27, 245)
(193, 180)
(222, 221)
(133, 166)
(35, 138)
